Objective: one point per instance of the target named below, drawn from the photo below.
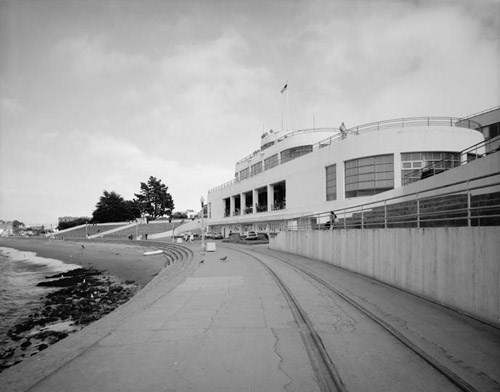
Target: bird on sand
(202, 261)
(223, 258)
(83, 247)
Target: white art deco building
(317, 170)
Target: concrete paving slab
(226, 327)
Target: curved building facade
(317, 170)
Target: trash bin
(210, 247)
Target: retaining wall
(456, 266)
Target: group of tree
(153, 201)
(73, 223)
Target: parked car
(251, 235)
(217, 236)
(209, 235)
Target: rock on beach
(86, 295)
(78, 297)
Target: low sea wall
(456, 266)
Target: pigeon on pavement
(224, 258)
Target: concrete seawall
(456, 266)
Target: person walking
(333, 216)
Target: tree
(16, 226)
(154, 199)
(73, 223)
(179, 215)
(113, 208)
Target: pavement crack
(287, 385)
(263, 308)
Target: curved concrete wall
(455, 266)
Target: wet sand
(124, 269)
(124, 261)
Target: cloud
(11, 107)
(182, 92)
(71, 181)
(91, 56)
(410, 59)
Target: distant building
(6, 229)
(191, 214)
(67, 218)
(10, 227)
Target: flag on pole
(284, 88)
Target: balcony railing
(476, 151)
(463, 203)
(261, 207)
(370, 127)
(280, 205)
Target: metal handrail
(419, 216)
(285, 136)
(481, 112)
(435, 165)
(415, 121)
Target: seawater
(20, 271)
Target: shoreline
(122, 260)
(110, 275)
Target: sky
(102, 95)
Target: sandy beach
(123, 261)
(112, 273)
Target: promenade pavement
(215, 326)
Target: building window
(267, 145)
(244, 174)
(491, 130)
(369, 176)
(413, 162)
(295, 152)
(256, 169)
(331, 182)
(271, 162)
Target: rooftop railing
(370, 127)
(481, 112)
(285, 136)
(415, 122)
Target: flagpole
(283, 91)
(282, 110)
(287, 109)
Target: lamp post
(202, 201)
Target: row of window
(272, 161)
(375, 174)
(411, 163)
(368, 175)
